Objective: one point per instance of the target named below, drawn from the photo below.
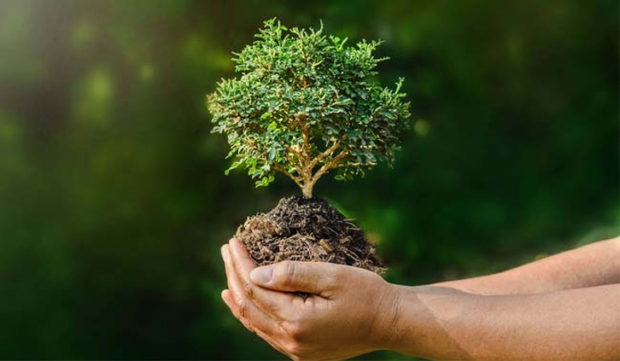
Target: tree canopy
(305, 104)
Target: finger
(243, 293)
(229, 301)
(241, 258)
(234, 308)
(234, 283)
(274, 303)
(238, 245)
(318, 278)
(251, 317)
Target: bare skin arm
(353, 311)
(592, 265)
(577, 324)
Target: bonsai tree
(305, 104)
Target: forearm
(592, 265)
(444, 324)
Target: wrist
(412, 321)
(389, 324)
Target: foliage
(112, 208)
(307, 103)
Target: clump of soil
(301, 229)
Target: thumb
(289, 276)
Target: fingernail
(261, 275)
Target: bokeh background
(113, 201)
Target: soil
(302, 229)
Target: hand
(350, 311)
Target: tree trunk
(307, 190)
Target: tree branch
(306, 171)
(333, 163)
(284, 171)
(329, 151)
(294, 161)
(292, 150)
(306, 138)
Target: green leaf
(266, 116)
(291, 81)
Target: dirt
(301, 229)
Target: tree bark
(307, 190)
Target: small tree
(306, 104)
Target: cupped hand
(349, 311)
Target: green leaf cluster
(305, 103)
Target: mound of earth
(302, 229)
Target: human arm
(588, 266)
(576, 324)
(352, 311)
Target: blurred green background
(113, 201)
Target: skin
(564, 307)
